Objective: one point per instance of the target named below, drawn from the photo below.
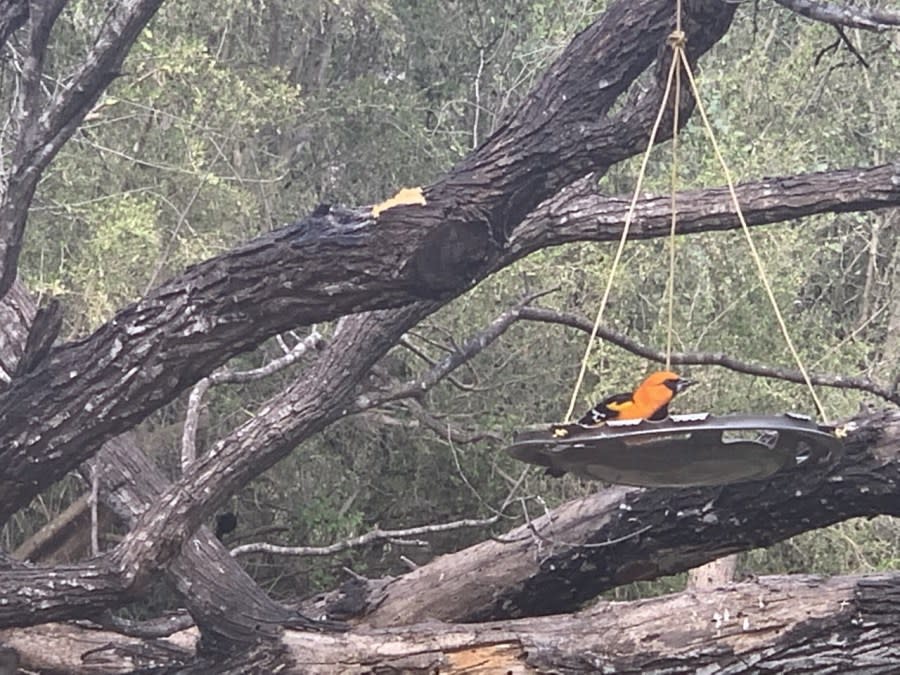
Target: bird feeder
(681, 450)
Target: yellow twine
(760, 268)
(615, 263)
(670, 285)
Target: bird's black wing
(660, 414)
(607, 409)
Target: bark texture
(773, 624)
(508, 198)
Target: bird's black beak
(683, 383)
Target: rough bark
(231, 610)
(301, 410)
(714, 574)
(155, 348)
(773, 624)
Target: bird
(225, 523)
(649, 401)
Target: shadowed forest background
(227, 124)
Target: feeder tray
(681, 450)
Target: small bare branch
(191, 422)
(192, 416)
(447, 431)
(707, 358)
(851, 46)
(839, 15)
(473, 346)
(312, 341)
(355, 542)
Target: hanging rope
(676, 40)
(618, 256)
(760, 268)
(679, 58)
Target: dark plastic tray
(680, 451)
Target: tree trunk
(772, 624)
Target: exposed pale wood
(714, 574)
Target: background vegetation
(231, 122)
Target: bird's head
(669, 380)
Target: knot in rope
(676, 39)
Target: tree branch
(471, 347)
(842, 15)
(286, 278)
(362, 540)
(767, 625)
(192, 416)
(557, 561)
(585, 547)
(707, 358)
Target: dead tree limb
(772, 624)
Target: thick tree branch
(135, 391)
(621, 534)
(394, 321)
(580, 213)
(284, 279)
(585, 547)
(231, 610)
(771, 624)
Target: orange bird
(650, 401)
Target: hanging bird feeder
(681, 450)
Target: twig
(407, 344)
(409, 563)
(355, 542)
(850, 46)
(445, 430)
(192, 416)
(474, 345)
